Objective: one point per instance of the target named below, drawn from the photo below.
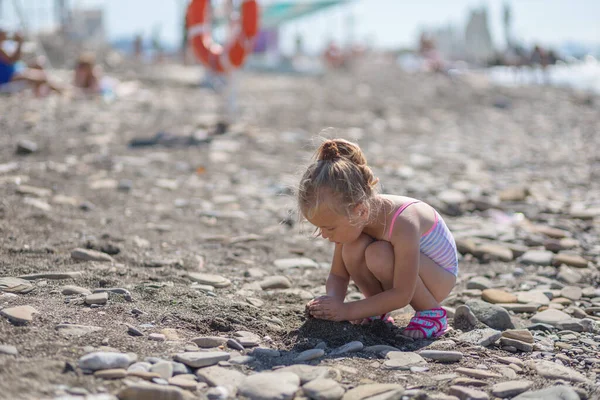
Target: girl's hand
(328, 308)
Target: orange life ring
(233, 54)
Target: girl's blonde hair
(340, 171)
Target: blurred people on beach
(86, 76)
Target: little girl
(397, 250)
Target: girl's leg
(353, 255)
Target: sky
(384, 23)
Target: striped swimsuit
(437, 243)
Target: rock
(477, 373)
(8, 350)
(351, 347)
(498, 296)
(551, 370)
(493, 252)
(201, 359)
(70, 290)
(96, 298)
(218, 376)
(19, 314)
(184, 382)
(163, 368)
(54, 275)
(207, 342)
(461, 381)
(403, 360)
(492, 315)
(323, 389)
(148, 391)
(571, 325)
(308, 355)
(72, 330)
(247, 339)
(479, 282)
(569, 275)
(104, 360)
(464, 393)
(442, 356)
(25, 147)
(519, 334)
(37, 203)
(480, 337)
(464, 319)
(90, 255)
(571, 260)
(306, 373)
(537, 257)
(157, 337)
(515, 193)
(553, 233)
(209, 279)
(287, 263)
(550, 317)
(270, 386)
(381, 349)
(379, 391)
(33, 191)
(520, 308)
(15, 285)
(517, 344)
(265, 352)
(118, 373)
(275, 282)
(241, 360)
(552, 393)
(571, 292)
(139, 366)
(234, 344)
(133, 331)
(533, 297)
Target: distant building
(87, 25)
(478, 40)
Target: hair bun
(329, 151)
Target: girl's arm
(405, 240)
(16, 56)
(337, 282)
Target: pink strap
(396, 216)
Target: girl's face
(337, 228)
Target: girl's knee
(379, 256)
(354, 253)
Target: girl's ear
(360, 211)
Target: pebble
(70, 290)
(275, 282)
(234, 344)
(201, 359)
(479, 282)
(442, 356)
(537, 257)
(533, 297)
(19, 314)
(520, 308)
(552, 393)
(218, 376)
(287, 263)
(15, 285)
(96, 298)
(265, 352)
(381, 349)
(133, 331)
(477, 373)
(469, 382)
(569, 275)
(163, 368)
(8, 350)
(184, 382)
(519, 334)
(498, 296)
(207, 342)
(350, 347)
(25, 147)
(571, 260)
(308, 355)
(241, 360)
(118, 373)
(73, 330)
(572, 293)
(247, 339)
(148, 391)
(375, 391)
(139, 366)
(403, 360)
(104, 360)
(157, 337)
(464, 318)
(270, 386)
(90, 255)
(551, 370)
(550, 317)
(209, 279)
(464, 393)
(480, 337)
(323, 389)
(492, 315)
(307, 373)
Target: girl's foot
(427, 324)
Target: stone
(71, 290)
(183, 382)
(517, 344)
(247, 339)
(552, 393)
(104, 360)
(96, 298)
(537, 257)
(72, 330)
(569, 275)
(163, 368)
(480, 337)
(270, 386)
(403, 360)
(308, 355)
(533, 297)
(133, 331)
(520, 308)
(498, 296)
(511, 388)
(461, 381)
(25, 147)
(54, 275)
(306, 373)
(551, 370)
(479, 282)
(265, 352)
(571, 292)
(148, 391)
(157, 337)
(510, 360)
(139, 366)
(148, 376)
(464, 319)
(381, 349)
(571, 260)
(241, 360)
(571, 325)
(8, 350)
(550, 317)
(350, 347)
(494, 252)
(477, 373)
(464, 393)
(519, 334)
(490, 314)
(15, 285)
(234, 344)
(207, 342)
(379, 391)
(219, 376)
(441, 356)
(37, 203)
(201, 359)
(33, 191)
(303, 262)
(209, 279)
(323, 389)
(19, 314)
(275, 282)
(90, 255)
(118, 373)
